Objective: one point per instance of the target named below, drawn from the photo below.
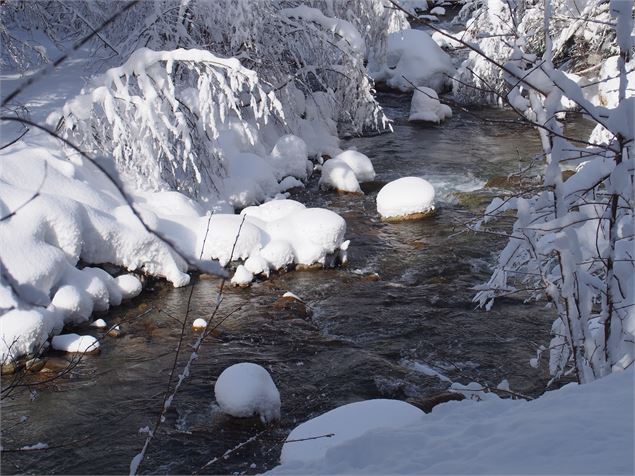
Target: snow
(438, 11)
(242, 276)
(289, 157)
(425, 106)
(578, 429)
(345, 423)
(359, 163)
(246, 389)
(129, 286)
(339, 27)
(405, 196)
(99, 323)
(338, 175)
(278, 254)
(414, 55)
(273, 210)
(75, 343)
(23, 332)
(199, 324)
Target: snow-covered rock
(346, 423)
(24, 332)
(414, 55)
(199, 324)
(289, 157)
(360, 164)
(129, 286)
(75, 343)
(273, 210)
(338, 175)
(278, 254)
(425, 106)
(99, 324)
(404, 197)
(242, 276)
(245, 389)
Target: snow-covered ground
(68, 214)
(578, 429)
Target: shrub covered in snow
(245, 390)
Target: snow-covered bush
(581, 34)
(159, 117)
(573, 240)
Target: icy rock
(425, 106)
(438, 11)
(242, 277)
(199, 324)
(360, 164)
(346, 423)
(406, 198)
(75, 343)
(246, 389)
(338, 175)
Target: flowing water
(363, 330)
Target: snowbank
(413, 54)
(405, 197)
(345, 424)
(244, 390)
(425, 106)
(579, 429)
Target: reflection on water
(352, 347)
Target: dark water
(353, 347)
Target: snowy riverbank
(578, 429)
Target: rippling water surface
(355, 345)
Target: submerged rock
(428, 403)
(290, 307)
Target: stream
(363, 331)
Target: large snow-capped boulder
(246, 389)
(426, 107)
(413, 55)
(405, 198)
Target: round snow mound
(244, 390)
(407, 197)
